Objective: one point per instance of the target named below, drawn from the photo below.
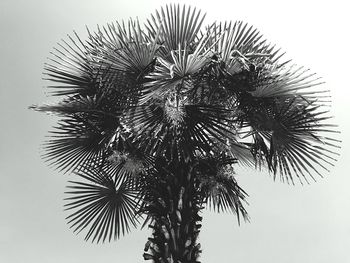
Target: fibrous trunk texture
(175, 221)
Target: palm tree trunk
(175, 218)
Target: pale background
(300, 224)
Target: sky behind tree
(289, 224)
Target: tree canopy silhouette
(154, 118)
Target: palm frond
(199, 129)
(89, 122)
(174, 74)
(74, 105)
(126, 48)
(288, 80)
(241, 152)
(219, 187)
(78, 140)
(72, 67)
(232, 38)
(101, 204)
(179, 27)
(291, 137)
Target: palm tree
(154, 118)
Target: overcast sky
(304, 224)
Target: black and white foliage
(154, 118)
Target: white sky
(309, 224)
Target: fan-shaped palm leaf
(76, 141)
(103, 205)
(231, 40)
(85, 132)
(179, 27)
(289, 80)
(126, 48)
(174, 74)
(289, 134)
(73, 68)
